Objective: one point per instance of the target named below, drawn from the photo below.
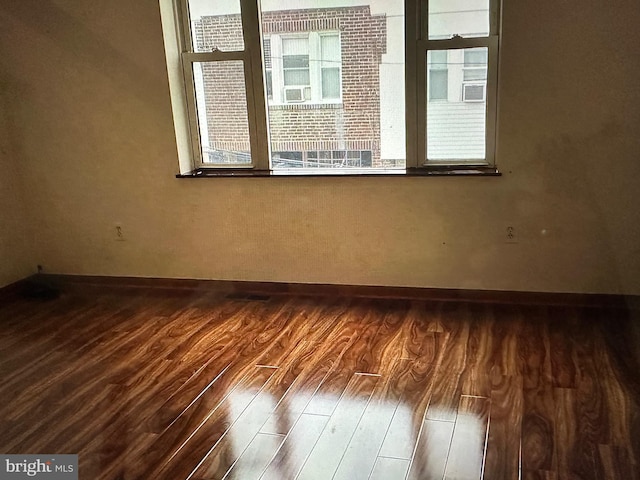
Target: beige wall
(94, 138)
(17, 255)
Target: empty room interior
(320, 239)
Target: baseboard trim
(15, 288)
(185, 286)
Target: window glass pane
(467, 18)
(295, 46)
(437, 59)
(438, 79)
(216, 25)
(330, 49)
(296, 77)
(287, 159)
(295, 61)
(456, 124)
(221, 103)
(366, 159)
(331, 83)
(349, 56)
(269, 83)
(475, 57)
(475, 64)
(438, 84)
(473, 74)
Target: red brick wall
(352, 125)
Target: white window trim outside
(181, 57)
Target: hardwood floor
(144, 386)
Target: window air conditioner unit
(296, 94)
(473, 92)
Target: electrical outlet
(119, 233)
(511, 236)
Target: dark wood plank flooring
(204, 386)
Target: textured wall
(16, 237)
(92, 126)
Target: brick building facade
(323, 85)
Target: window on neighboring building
(308, 67)
(271, 86)
(438, 75)
(330, 66)
(474, 75)
(295, 69)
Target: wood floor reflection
(144, 386)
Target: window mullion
(256, 105)
(454, 43)
(415, 135)
(492, 101)
(182, 12)
(421, 101)
(194, 128)
(216, 56)
(494, 18)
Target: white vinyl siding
(458, 130)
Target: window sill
(432, 171)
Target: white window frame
(179, 50)
(255, 88)
(417, 44)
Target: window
(295, 69)
(474, 75)
(273, 86)
(309, 67)
(330, 65)
(475, 64)
(458, 50)
(438, 75)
